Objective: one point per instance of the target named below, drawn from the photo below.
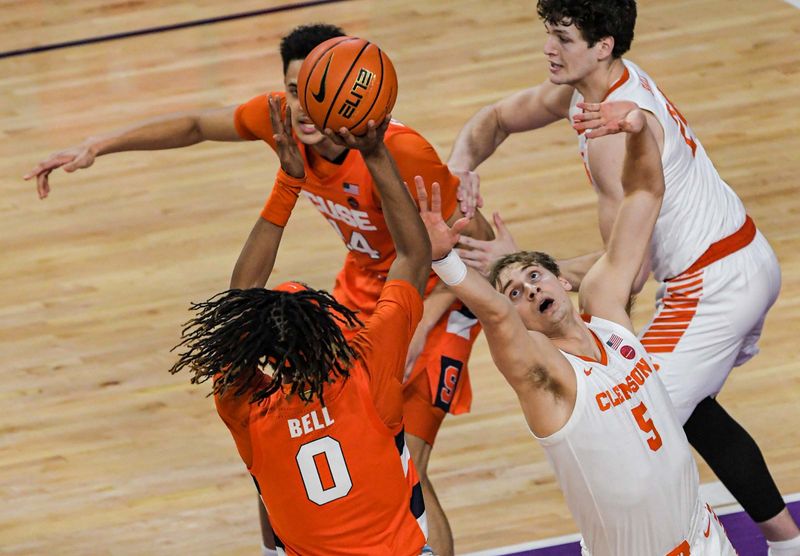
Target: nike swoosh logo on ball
(319, 96)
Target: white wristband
(450, 269)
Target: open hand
(288, 153)
(442, 236)
(607, 118)
(74, 158)
(366, 143)
(482, 254)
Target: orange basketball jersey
(337, 478)
(345, 193)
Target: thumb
(459, 225)
(500, 225)
(73, 165)
(72, 162)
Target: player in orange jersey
(322, 434)
(339, 185)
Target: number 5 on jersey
(647, 426)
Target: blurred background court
(103, 452)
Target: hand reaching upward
(442, 236)
(288, 153)
(366, 143)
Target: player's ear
(604, 48)
(565, 283)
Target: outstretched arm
(541, 377)
(166, 132)
(257, 258)
(413, 260)
(607, 286)
(491, 125)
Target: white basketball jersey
(699, 208)
(622, 458)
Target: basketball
(345, 82)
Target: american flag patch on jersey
(350, 188)
(614, 341)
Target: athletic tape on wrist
(451, 269)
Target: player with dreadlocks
(322, 433)
(294, 329)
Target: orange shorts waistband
(720, 249)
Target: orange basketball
(345, 82)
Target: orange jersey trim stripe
(618, 83)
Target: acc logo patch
(627, 352)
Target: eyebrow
(524, 268)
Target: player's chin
(557, 79)
(309, 139)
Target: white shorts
(709, 321)
(707, 537)
(711, 540)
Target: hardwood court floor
(103, 452)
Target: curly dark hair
(522, 258)
(595, 19)
(303, 39)
(237, 333)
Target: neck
(327, 149)
(595, 86)
(574, 337)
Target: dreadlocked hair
(237, 333)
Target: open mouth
(306, 127)
(555, 67)
(545, 305)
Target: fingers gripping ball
(345, 82)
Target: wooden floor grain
(103, 452)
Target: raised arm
(525, 110)
(606, 288)
(257, 258)
(412, 246)
(166, 132)
(539, 374)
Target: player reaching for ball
(706, 252)
(321, 432)
(338, 184)
(588, 389)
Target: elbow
(195, 132)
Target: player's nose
(548, 47)
(531, 291)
